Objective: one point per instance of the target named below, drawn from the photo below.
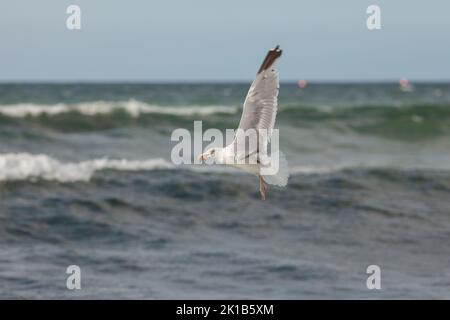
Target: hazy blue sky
(172, 40)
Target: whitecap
(25, 166)
(133, 107)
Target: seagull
(258, 116)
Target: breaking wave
(131, 107)
(406, 122)
(25, 166)
(34, 167)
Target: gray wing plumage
(260, 106)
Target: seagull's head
(212, 153)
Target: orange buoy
(302, 83)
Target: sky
(210, 40)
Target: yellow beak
(201, 157)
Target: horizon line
(209, 81)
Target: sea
(87, 180)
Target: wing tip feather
(270, 58)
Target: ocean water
(86, 179)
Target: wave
(403, 122)
(323, 112)
(137, 108)
(35, 167)
(416, 122)
(366, 166)
(416, 113)
(133, 108)
(25, 166)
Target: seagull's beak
(201, 157)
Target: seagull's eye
(213, 151)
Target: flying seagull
(258, 116)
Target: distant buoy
(405, 85)
(403, 82)
(302, 84)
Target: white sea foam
(132, 107)
(25, 166)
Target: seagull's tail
(281, 177)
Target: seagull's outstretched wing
(259, 113)
(260, 109)
(260, 106)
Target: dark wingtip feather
(271, 57)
